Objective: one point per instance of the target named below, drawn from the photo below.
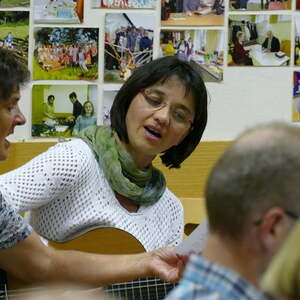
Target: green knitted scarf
(144, 186)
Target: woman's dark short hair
(160, 70)
(13, 74)
(50, 97)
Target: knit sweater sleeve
(47, 177)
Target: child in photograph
(86, 118)
(82, 60)
(8, 41)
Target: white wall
(247, 96)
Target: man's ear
(270, 228)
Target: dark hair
(160, 70)
(13, 74)
(260, 170)
(73, 95)
(49, 97)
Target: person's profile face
(10, 117)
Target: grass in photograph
(18, 30)
(67, 73)
(14, 3)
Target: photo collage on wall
(66, 46)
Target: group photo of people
(58, 11)
(192, 12)
(63, 110)
(206, 47)
(123, 4)
(14, 33)
(258, 5)
(128, 44)
(14, 3)
(259, 40)
(65, 53)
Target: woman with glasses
(106, 178)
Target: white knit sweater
(67, 193)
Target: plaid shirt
(13, 228)
(204, 279)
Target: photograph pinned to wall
(259, 40)
(14, 33)
(58, 11)
(119, 4)
(296, 97)
(65, 53)
(192, 12)
(14, 3)
(63, 110)
(108, 100)
(205, 47)
(297, 41)
(259, 5)
(128, 44)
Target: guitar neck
(141, 289)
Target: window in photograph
(58, 11)
(65, 53)
(259, 40)
(192, 12)
(205, 47)
(63, 110)
(128, 44)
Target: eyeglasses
(181, 116)
(287, 212)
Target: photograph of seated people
(250, 213)
(281, 280)
(23, 255)
(258, 5)
(86, 119)
(192, 12)
(205, 47)
(57, 116)
(106, 177)
(259, 40)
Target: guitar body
(112, 241)
(102, 241)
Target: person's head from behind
(240, 36)
(282, 278)
(252, 194)
(88, 108)
(161, 108)
(73, 97)
(13, 75)
(51, 99)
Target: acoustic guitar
(108, 241)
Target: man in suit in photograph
(271, 43)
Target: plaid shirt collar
(219, 279)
